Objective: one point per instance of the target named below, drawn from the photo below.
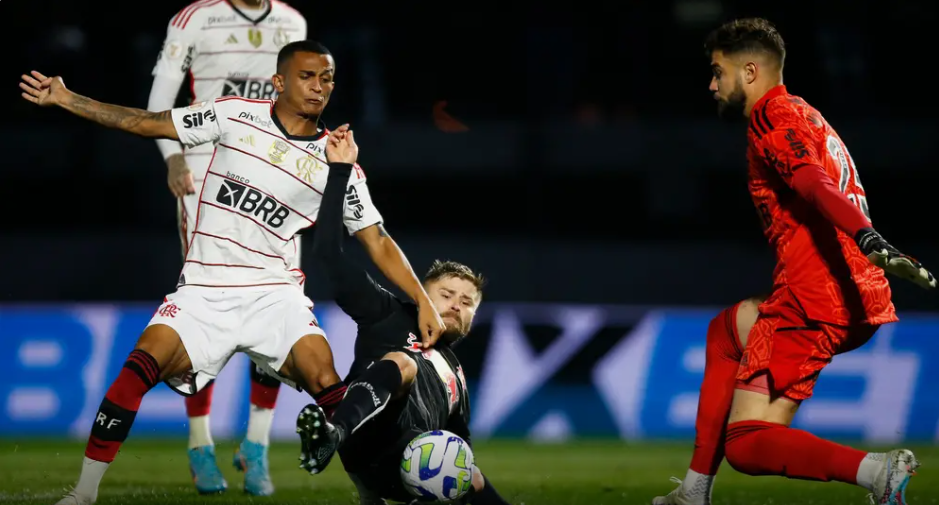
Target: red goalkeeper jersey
(818, 262)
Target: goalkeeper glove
(887, 257)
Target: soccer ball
(437, 465)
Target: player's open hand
(341, 147)
(42, 90)
(179, 176)
(431, 324)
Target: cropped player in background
(222, 48)
(830, 293)
(396, 390)
(237, 291)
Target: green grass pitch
(578, 473)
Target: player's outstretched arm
(50, 91)
(356, 293)
(391, 260)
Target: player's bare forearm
(137, 121)
(390, 259)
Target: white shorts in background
(214, 323)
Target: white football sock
(199, 433)
(697, 484)
(259, 425)
(92, 472)
(869, 468)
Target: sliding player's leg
(158, 355)
(781, 364)
(726, 339)
(367, 396)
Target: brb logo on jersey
(244, 88)
(197, 119)
(251, 201)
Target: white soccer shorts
(263, 322)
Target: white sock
(259, 425)
(697, 485)
(869, 468)
(199, 433)
(92, 472)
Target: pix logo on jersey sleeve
(251, 201)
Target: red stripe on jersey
(224, 78)
(195, 228)
(265, 194)
(281, 138)
(249, 218)
(182, 14)
(271, 164)
(211, 3)
(239, 244)
(233, 52)
(248, 26)
(232, 97)
(224, 265)
(237, 285)
(302, 275)
(192, 87)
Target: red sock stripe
(331, 397)
(101, 450)
(264, 396)
(200, 404)
(147, 364)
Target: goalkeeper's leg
(726, 339)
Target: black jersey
(438, 399)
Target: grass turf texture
(587, 473)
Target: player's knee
(164, 344)
(737, 457)
(406, 366)
(310, 363)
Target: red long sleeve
(814, 185)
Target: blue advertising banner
(546, 372)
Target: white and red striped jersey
(225, 51)
(262, 187)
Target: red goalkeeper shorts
(786, 351)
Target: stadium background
(592, 183)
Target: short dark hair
(747, 35)
(444, 269)
(299, 46)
